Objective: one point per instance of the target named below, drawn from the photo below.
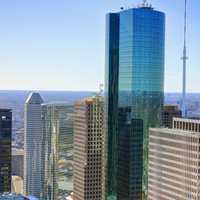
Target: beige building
(174, 161)
(17, 185)
(88, 133)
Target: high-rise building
(168, 113)
(5, 149)
(174, 161)
(88, 149)
(135, 43)
(33, 144)
(57, 121)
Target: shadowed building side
(5, 149)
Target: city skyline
(36, 42)
(95, 101)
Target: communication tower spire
(184, 58)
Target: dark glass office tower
(134, 85)
(5, 149)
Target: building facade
(88, 149)
(174, 159)
(168, 113)
(5, 149)
(18, 162)
(14, 196)
(187, 124)
(33, 144)
(17, 185)
(135, 43)
(57, 121)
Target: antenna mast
(184, 58)
(145, 4)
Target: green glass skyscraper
(134, 87)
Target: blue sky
(59, 44)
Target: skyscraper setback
(5, 149)
(88, 149)
(134, 87)
(33, 144)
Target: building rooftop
(34, 98)
(176, 131)
(190, 120)
(5, 110)
(90, 99)
(12, 196)
(57, 103)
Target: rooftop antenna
(145, 4)
(100, 92)
(184, 58)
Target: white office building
(33, 142)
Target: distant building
(174, 161)
(17, 185)
(5, 150)
(168, 113)
(33, 144)
(70, 197)
(13, 196)
(18, 162)
(88, 149)
(57, 121)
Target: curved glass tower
(135, 43)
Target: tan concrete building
(88, 133)
(174, 161)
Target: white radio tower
(184, 58)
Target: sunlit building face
(135, 43)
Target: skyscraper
(88, 149)
(33, 144)
(57, 121)
(5, 149)
(135, 43)
(174, 161)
